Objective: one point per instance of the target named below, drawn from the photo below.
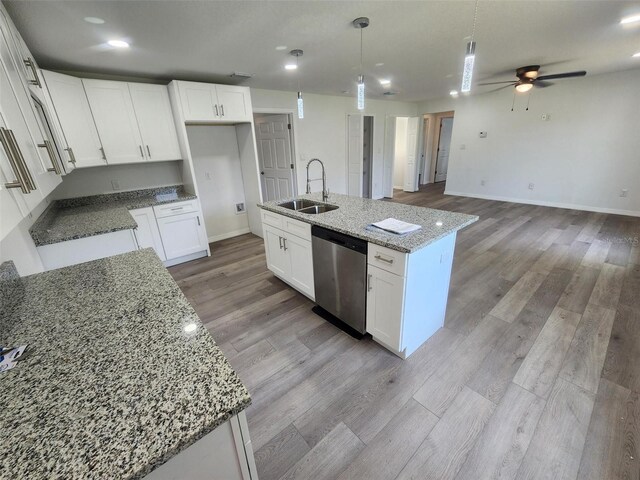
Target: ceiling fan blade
(542, 84)
(580, 73)
(496, 83)
(500, 88)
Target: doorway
(444, 147)
(275, 156)
(367, 157)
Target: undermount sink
(298, 204)
(315, 209)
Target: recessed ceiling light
(384, 81)
(281, 47)
(379, 64)
(118, 43)
(630, 19)
(95, 20)
(453, 93)
(636, 54)
(290, 66)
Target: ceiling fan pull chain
(528, 99)
(513, 102)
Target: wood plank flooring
(535, 375)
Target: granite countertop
(355, 214)
(111, 385)
(74, 218)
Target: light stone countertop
(111, 385)
(355, 214)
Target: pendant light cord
(475, 18)
(361, 49)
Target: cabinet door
(153, 111)
(147, 233)
(301, 276)
(27, 66)
(199, 102)
(72, 109)
(234, 103)
(12, 207)
(277, 258)
(385, 303)
(115, 119)
(182, 235)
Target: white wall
(400, 155)
(97, 180)
(216, 162)
(322, 133)
(581, 158)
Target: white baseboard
(571, 206)
(186, 258)
(224, 236)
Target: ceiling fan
(528, 77)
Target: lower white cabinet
(288, 249)
(147, 233)
(385, 303)
(182, 235)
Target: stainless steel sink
(315, 209)
(298, 204)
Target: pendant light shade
(360, 23)
(467, 73)
(300, 106)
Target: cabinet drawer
(387, 259)
(297, 228)
(176, 208)
(273, 219)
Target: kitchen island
(120, 376)
(407, 276)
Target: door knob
(262, 173)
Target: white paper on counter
(396, 226)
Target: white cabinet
(182, 234)
(288, 249)
(12, 206)
(115, 120)
(155, 119)
(210, 103)
(72, 110)
(385, 299)
(147, 233)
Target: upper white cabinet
(72, 109)
(206, 102)
(155, 119)
(115, 119)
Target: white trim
(543, 203)
(398, 187)
(224, 236)
(186, 258)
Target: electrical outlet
(624, 192)
(531, 186)
(115, 184)
(482, 134)
(240, 208)
(483, 182)
(463, 146)
(207, 175)
(545, 117)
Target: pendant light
(361, 23)
(298, 53)
(470, 57)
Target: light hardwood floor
(535, 375)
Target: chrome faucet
(325, 193)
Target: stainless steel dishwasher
(340, 276)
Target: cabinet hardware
(280, 241)
(198, 218)
(31, 64)
(388, 260)
(222, 109)
(47, 145)
(104, 157)
(20, 181)
(217, 114)
(72, 157)
(149, 151)
(22, 165)
(284, 244)
(369, 282)
(141, 151)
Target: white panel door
(72, 108)
(273, 138)
(301, 258)
(199, 101)
(116, 121)
(411, 169)
(385, 299)
(182, 235)
(355, 126)
(147, 233)
(234, 103)
(277, 259)
(153, 112)
(444, 147)
(389, 153)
